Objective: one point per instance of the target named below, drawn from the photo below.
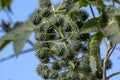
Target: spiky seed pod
(46, 13)
(83, 37)
(36, 19)
(59, 21)
(67, 27)
(57, 59)
(63, 63)
(43, 56)
(56, 66)
(53, 74)
(108, 64)
(77, 46)
(44, 37)
(70, 55)
(83, 15)
(45, 4)
(60, 51)
(50, 29)
(79, 24)
(42, 45)
(42, 70)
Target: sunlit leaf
(93, 64)
(94, 48)
(112, 31)
(112, 11)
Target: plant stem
(92, 10)
(13, 55)
(59, 6)
(31, 43)
(113, 3)
(108, 54)
(105, 42)
(113, 74)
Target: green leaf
(0, 5)
(5, 40)
(93, 64)
(21, 35)
(117, 18)
(72, 65)
(18, 36)
(94, 49)
(83, 3)
(112, 31)
(5, 44)
(112, 11)
(90, 26)
(5, 3)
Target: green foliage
(18, 36)
(83, 3)
(111, 31)
(112, 11)
(94, 49)
(64, 45)
(62, 34)
(5, 3)
(60, 48)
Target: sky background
(23, 67)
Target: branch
(108, 54)
(104, 63)
(59, 6)
(113, 3)
(111, 51)
(31, 43)
(105, 42)
(13, 55)
(92, 10)
(113, 74)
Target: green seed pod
(67, 27)
(83, 15)
(36, 19)
(59, 21)
(56, 66)
(46, 13)
(42, 70)
(45, 4)
(108, 64)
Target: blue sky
(23, 67)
